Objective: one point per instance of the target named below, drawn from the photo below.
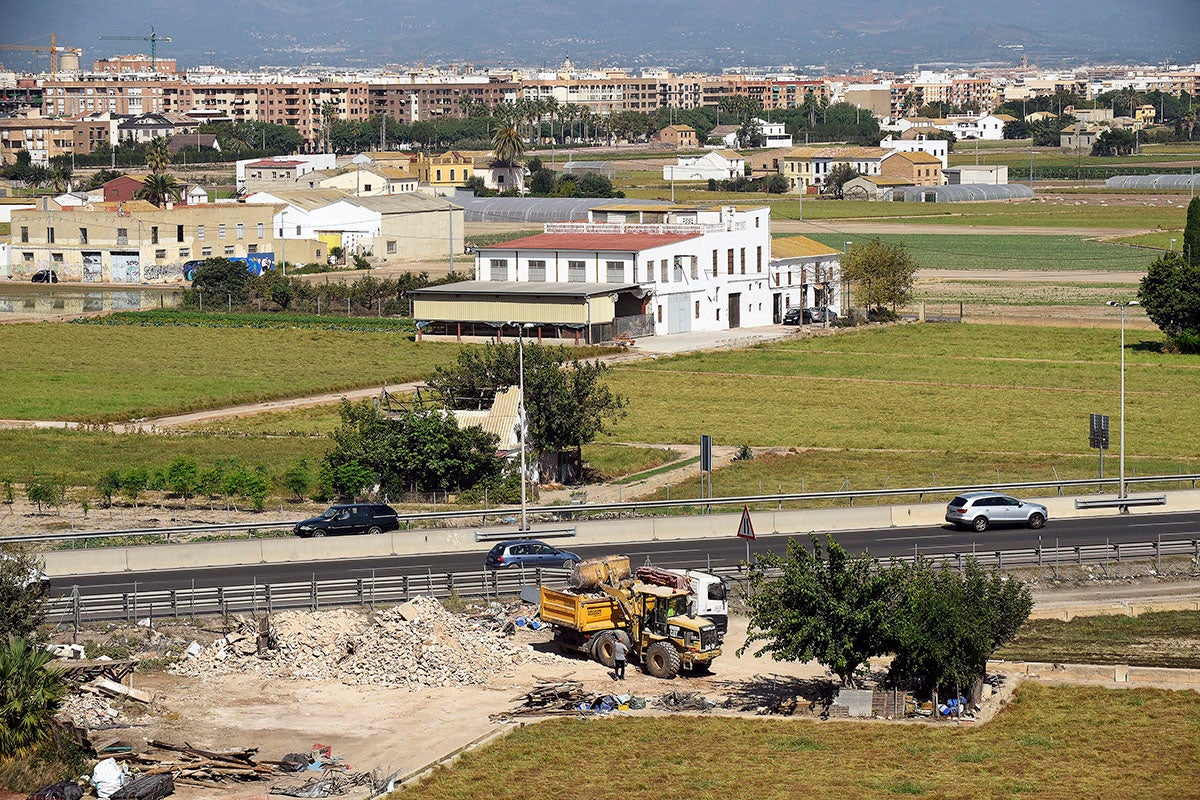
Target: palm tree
(30, 695)
(158, 155)
(508, 145)
(158, 188)
(60, 178)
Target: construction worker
(620, 651)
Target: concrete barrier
(588, 532)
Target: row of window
(123, 233)
(159, 255)
(615, 270)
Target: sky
(811, 35)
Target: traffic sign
(1098, 431)
(745, 527)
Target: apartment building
(76, 98)
(807, 168)
(43, 138)
(417, 102)
(119, 65)
(135, 242)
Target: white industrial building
(939, 148)
(720, 165)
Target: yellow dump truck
(653, 621)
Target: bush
(30, 695)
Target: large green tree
(568, 403)
(820, 604)
(508, 145)
(158, 188)
(22, 593)
(158, 155)
(947, 623)
(882, 274)
(1191, 233)
(839, 174)
(1170, 291)
(219, 278)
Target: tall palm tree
(158, 155)
(508, 145)
(30, 695)
(158, 188)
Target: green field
(1161, 240)
(951, 251)
(113, 373)
(1157, 639)
(1052, 742)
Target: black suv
(351, 518)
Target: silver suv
(981, 510)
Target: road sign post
(746, 531)
(706, 466)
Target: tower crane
(153, 39)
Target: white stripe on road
(918, 538)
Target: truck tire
(602, 648)
(661, 660)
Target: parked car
(350, 518)
(819, 315)
(45, 276)
(528, 553)
(981, 510)
(792, 316)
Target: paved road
(694, 553)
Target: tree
(1170, 293)
(1191, 233)
(839, 174)
(946, 624)
(1114, 142)
(750, 134)
(133, 483)
(22, 594)
(102, 177)
(775, 183)
(542, 181)
(159, 188)
(30, 694)
(221, 277)
(158, 156)
(297, 478)
(882, 274)
(568, 404)
(507, 145)
(108, 485)
(46, 490)
(183, 478)
(827, 606)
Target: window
(56, 258)
(241, 231)
(537, 270)
(160, 255)
(25, 233)
(221, 230)
(49, 235)
(451, 174)
(743, 260)
(122, 235)
(153, 234)
(697, 309)
(297, 230)
(260, 230)
(729, 261)
(200, 232)
(756, 221)
(27, 256)
(660, 314)
(205, 252)
(185, 252)
(83, 236)
(615, 271)
(179, 233)
(714, 263)
(229, 250)
(695, 268)
(758, 257)
(251, 248)
(439, 175)
(499, 271)
(576, 271)
(366, 187)
(391, 247)
(662, 271)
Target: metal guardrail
(1123, 502)
(573, 511)
(544, 533)
(74, 607)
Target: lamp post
(1122, 306)
(524, 428)
(1172, 245)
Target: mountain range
(678, 34)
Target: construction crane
(153, 39)
(53, 50)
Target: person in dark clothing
(620, 652)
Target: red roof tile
(604, 242)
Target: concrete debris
(678, 701)
(413, 645)
(114, 689)
(89, 711)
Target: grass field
(106, 373)
(1158, 639)
(949, 251)
(1055, 295)
(1051, 742)
(1162, 240)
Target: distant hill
(681, 34)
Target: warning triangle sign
(745, 527)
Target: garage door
(126, 268)
(679, 314)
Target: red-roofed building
(631, 270)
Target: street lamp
(1122, 306)
(524, 427)
(1172, 245)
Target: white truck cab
(709, 596)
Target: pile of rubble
(89, 711)
(416, 644)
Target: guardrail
(1122, 502)
(574, 511)
(74, 607)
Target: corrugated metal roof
(538, 209)
(594, 242)
(799, 247)
(307, 199)
(526, 288)
(500, 419)
(406, 202)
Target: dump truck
(605, 605)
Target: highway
(693, 553)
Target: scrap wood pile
(552, 697)
(197, 767)
(415, 644)
(330, 784)
(683, 701)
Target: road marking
(918, 538)
(1158, 524)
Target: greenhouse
(959, 193)
(1153, 182)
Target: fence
(74, 607)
